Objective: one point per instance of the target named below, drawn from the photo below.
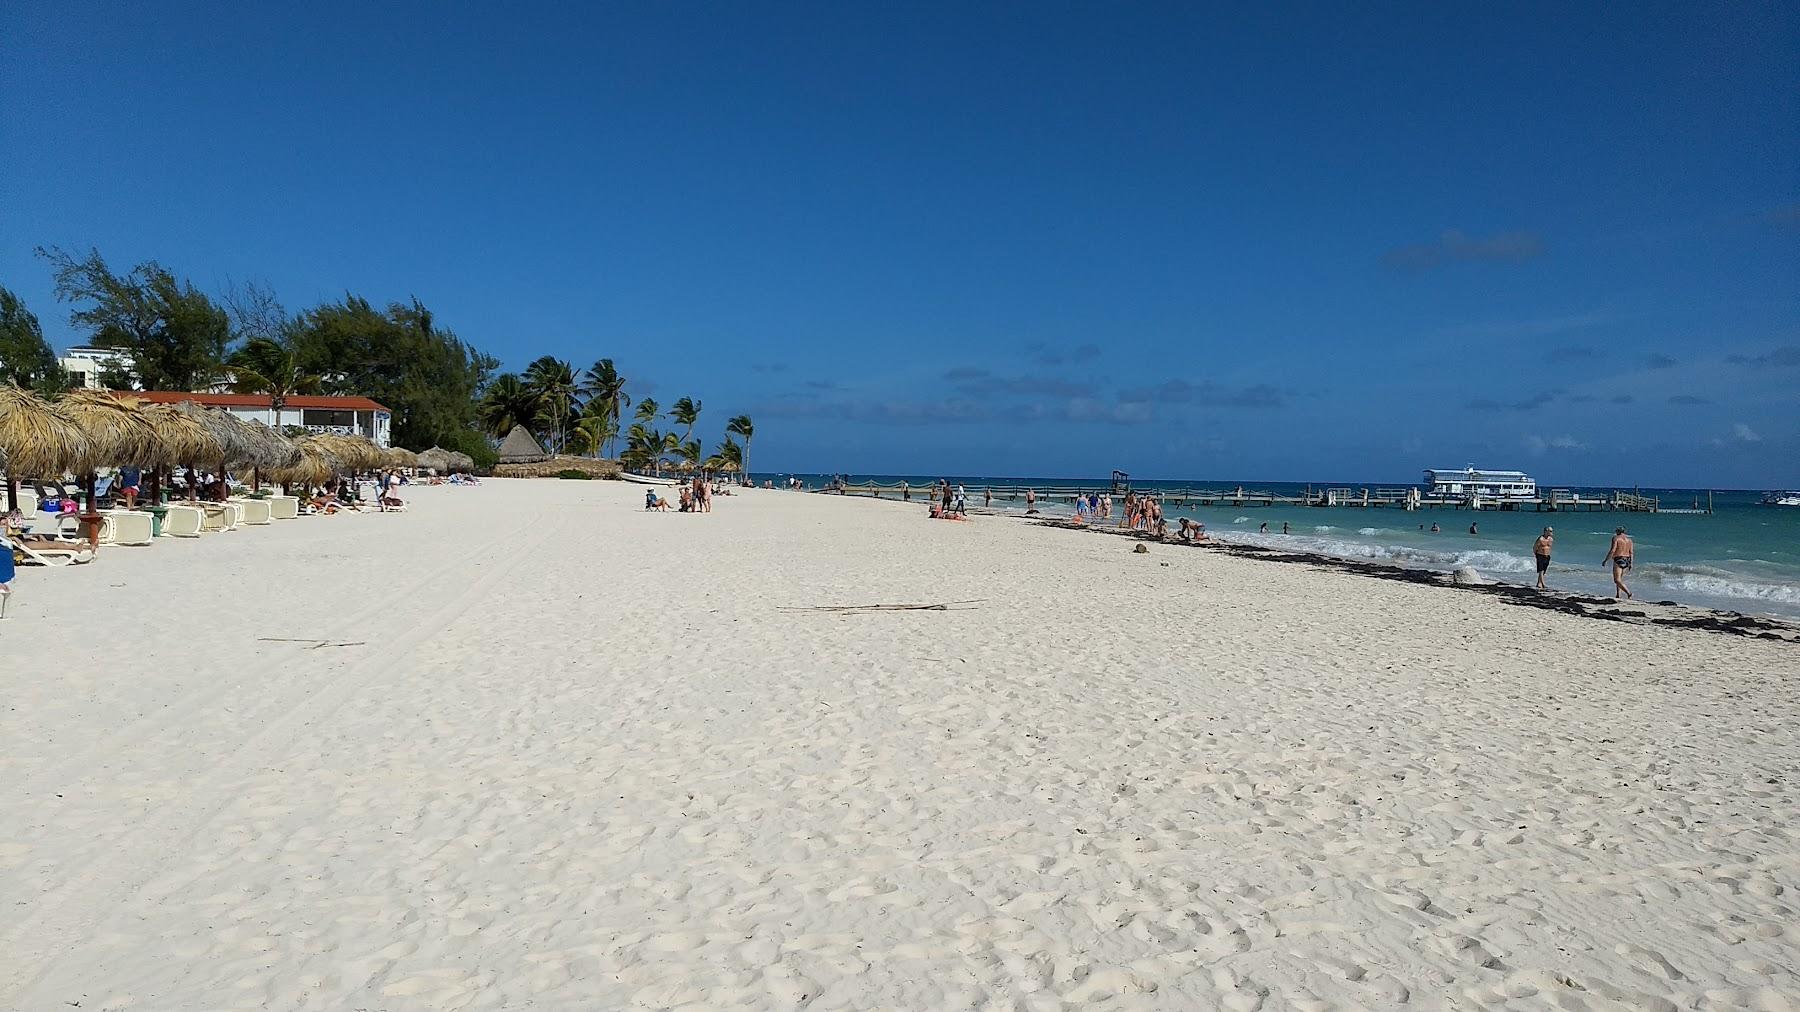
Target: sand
(527, 746)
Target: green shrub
(573, 474)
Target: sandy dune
(529, 747)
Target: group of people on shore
(948, 504)
(692, 497)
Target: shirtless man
(1619, 553)
(1031, 500)
(1540, 549)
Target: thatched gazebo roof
(36, 439)
(519, 448)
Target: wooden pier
(1408, 499)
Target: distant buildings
(349, 416)
(84, 365)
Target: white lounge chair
(183, 522)
(283, 507)
(127, 527)
(219, 516)
(64, 554)
(256, 511)
(28, 501)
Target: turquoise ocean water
(1743, 557)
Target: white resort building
(357, 416)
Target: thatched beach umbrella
(314, 464)
(437, 459)
(36, 440)
(117, 431)
(397, 457)
(462, 462)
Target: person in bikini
(1620, 554)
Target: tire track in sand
(40, 937)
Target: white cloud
(1536, 445)
(1745, 434)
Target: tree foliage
(173, 336)
(429, 378)
(25, 357)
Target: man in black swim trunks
(1620, 553)
(1541, 549)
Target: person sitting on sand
(687, 500)
(1620, 554)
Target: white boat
(646, 479)
(1472, 483)
(1781, 499)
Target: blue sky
(1294, 243)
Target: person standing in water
(1620, 553)
(1473, 532)
(1540, 549)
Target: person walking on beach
(1540, 549)
(1620, 553)
(1031, 500)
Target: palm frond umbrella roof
(117, 431)
(36, 439)
(357, 453)
(277, 450)
(185, 440)
(234, 443)
(437, 458)
(315, 464)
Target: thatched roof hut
(36, 439)
(519, 448)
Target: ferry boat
(1781, 499)
(1471, 483)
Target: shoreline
(1639, 611)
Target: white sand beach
(527, 746)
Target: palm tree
(647, 410)
(265, 366)
(742, 426)
(553, 381)
(686, 413)
(690, 451)
(730, 456)
(605, 387)
(595, 430)
(509, 402)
